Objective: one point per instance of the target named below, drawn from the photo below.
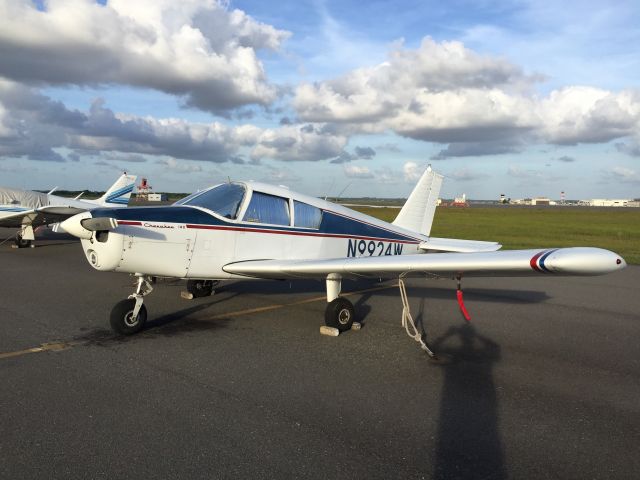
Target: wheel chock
(329, 331)
(356, 326)
(186, 295)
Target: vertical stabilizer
(119, 193)
(419, 209)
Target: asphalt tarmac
(543, 383)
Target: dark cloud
(472, 149)
(365, 153)
(344, 157)
(566, 159)
(632, 148)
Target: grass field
(614, 229)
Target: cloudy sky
(524, 97)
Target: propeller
(99, 223)
(83, 225)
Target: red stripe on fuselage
(303, 234)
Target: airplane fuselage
(187, 241)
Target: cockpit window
(264, 208)
(224, 199)
(306, 216)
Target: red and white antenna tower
(144, 189)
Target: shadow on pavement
(468, 443)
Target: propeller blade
(99, 223)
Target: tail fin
(119, 193)
(419, 209)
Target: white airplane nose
(74, 226)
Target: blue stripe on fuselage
(332, 223)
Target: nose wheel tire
(339, 314)
(201, 288)
(122, 320)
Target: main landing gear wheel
(201, 288)
(21, 242)
(339, 314)
(122, 320)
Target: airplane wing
(38, 216)
(560, 261)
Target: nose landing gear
(129, 316)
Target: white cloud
(194, 48)
(480, 105)
(294, 143)
(281, 175)
(179, 166)
(369, 94)
(588, 115)
(412, 172)
(356, 171)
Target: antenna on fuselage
(228, 179)
(330, 187)
(342, 191)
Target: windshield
(224, 199)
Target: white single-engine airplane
(252, 230)
(27, 210)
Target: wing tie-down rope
(407, 320)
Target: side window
(307, 216)
(270, 209)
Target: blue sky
(524, 98)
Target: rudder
(119, 193)
(419, 209)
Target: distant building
(534, 201)
(540, 201)
(157, 197)
(606, 202)
(460, 201)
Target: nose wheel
(128, 316)
(123, 320)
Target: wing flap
(507, 263)
(460, 246)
